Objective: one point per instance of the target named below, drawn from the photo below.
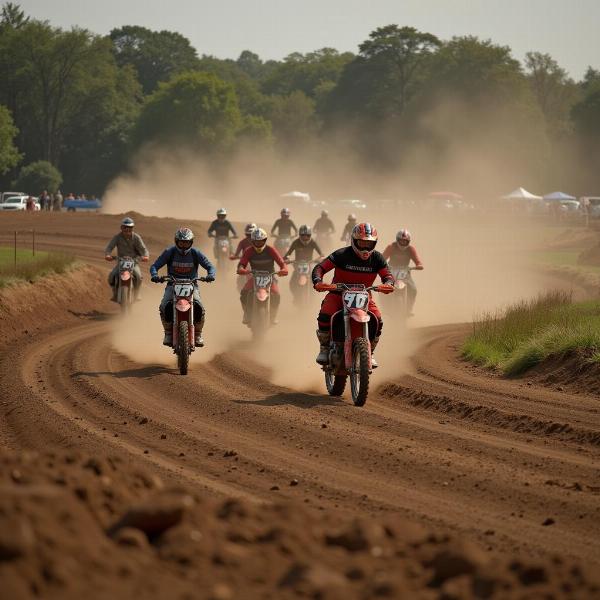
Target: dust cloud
(476, 255)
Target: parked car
(18, 203)
(73, 204)
(5, 195)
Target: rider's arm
(331, 226)
(238, 249)
(211, 228)
(415, 257)
(293, 225)
(140, 247)
(320, 270)
(384, 270)
(161, 261)
(291, 249)
(111, 245)
(205, 263)
(278, 259)
(387, 252)
(245, 258)
(232, 229)
(275, 226)
(316, 247)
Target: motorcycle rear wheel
(336, 384)
(359, 375)
(183, 350)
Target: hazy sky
(566, 29)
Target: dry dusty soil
(122, 480)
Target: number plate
(262, 281)
(356, 299)
(401, 274)
(183, 290)
(303, 268)
(127, 264)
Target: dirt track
(509, 465)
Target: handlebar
(342, 287)
(171, 279)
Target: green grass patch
(563, 258)
(526, 333)
(29, 267)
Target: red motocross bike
(352, 329)
(183, 318)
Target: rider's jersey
(304, 252)
(400, 256)
(184, 266)
(324, 225)
(350, 268)
(261, 261)
(133, 246)
(241, 247)
(221, 228)
(284, 228)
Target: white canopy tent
(521, 194)
(558, 196)
(298, 195)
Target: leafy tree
(293, 119)
(38, 176)
(155, 55)
(554, 90)
(12, 17)
(305, 72)
(9, 155)
(197, 110)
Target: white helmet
(259, 239)
(285, 212)
(221, 212)
(249, 228)
(127, 222)
(403, 236)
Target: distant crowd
(54, 202)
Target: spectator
(30, 204)
(45, 200)
(58, 201)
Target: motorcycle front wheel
(359, 374)
(123, 296)
(183, 350)
(336, 384)
(260, 318)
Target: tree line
(77, 107)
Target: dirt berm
(81, 518)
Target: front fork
(176, 320)
(348, 342)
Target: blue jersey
(183, 266)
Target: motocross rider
(357, 263)
(245, 242)
(399, 254)
(324, 225)
(284, 225)
(260, 257)
(131, 244)
(182, 262)
(221, 227)
(348, 228)
(304, 247)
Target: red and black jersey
(350, 268)
(261, 261)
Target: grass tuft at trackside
(526, 333)
(31, 267)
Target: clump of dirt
(74, 526)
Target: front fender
(183, 305)
(360, 316)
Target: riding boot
(374, 343)
(168, 327)
(323, 356)
(198, 340)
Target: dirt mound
(27, 307)
(75, 526)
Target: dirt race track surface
(507, 467)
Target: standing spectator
(30, 204)
(58, 201)
(45, 200)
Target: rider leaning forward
(130, 244)
(221, 227)
(304, 249)
(358, 263)
(182, 262)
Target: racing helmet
(258, 237)
(364, 240)
(324, 213)
(250, 227)
(184, 239)
(351, 218)
(305, 232)
(221, 212)
(285, 212)
(127, 222)
(403, 237)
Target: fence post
(15, 250)
(33, 241)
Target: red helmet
(364, 240)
